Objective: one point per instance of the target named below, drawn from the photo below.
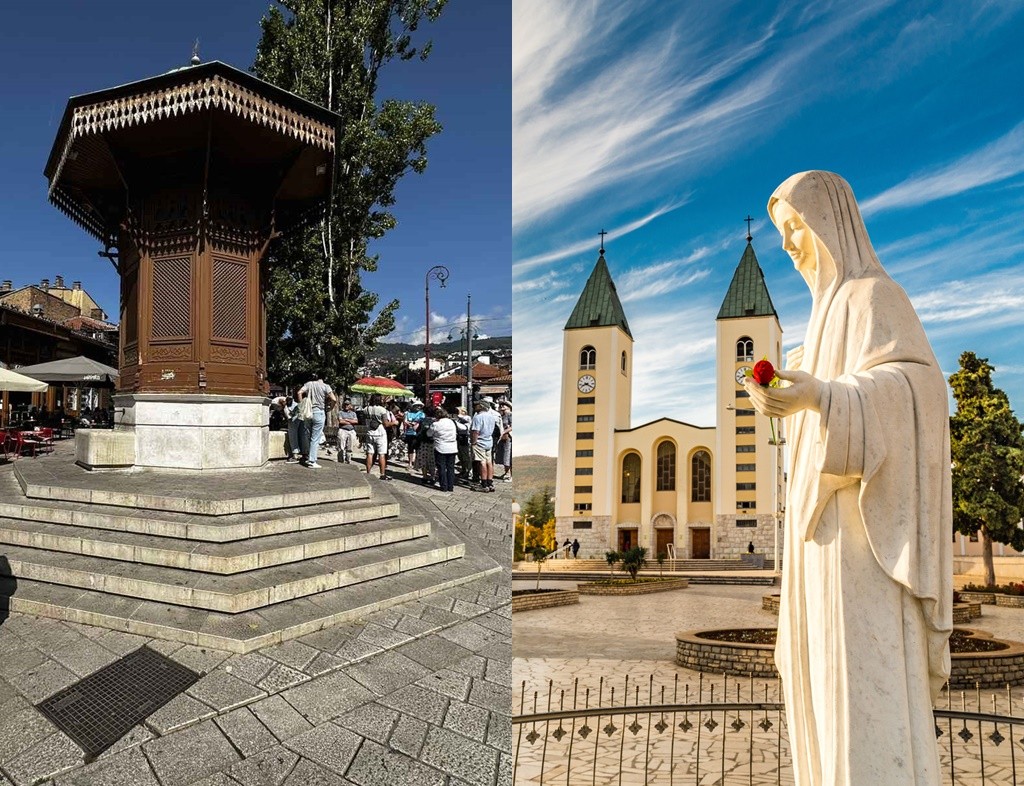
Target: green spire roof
(747, 296)
(599, 304)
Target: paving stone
(505, 769)
(217, 779)
(327, 639)
(308, 773)
(46, 758)
(84, 657)
(440, 617)
(386, 672)
(414, 626)
(328, 745)
(434, 652)
(467, 720)
(327, 697)
(281, 677)
(167, 648)
(190, 754)
(374, 765)
(408, 736)
(496, 698)
(283, 720)
(18, 658)
(474, 666)
(181, 711)
(291, 653)
(465, 608)
(323, 663)
(373, 720)
(461, 757)
(224, 692)
(245, 731)
(384, 638)
(355, 650)
(47, 635)
(251, 667)
(499, 732)
(450, 683)
(200, 659)
(268, 768)
(136, 736)
(499, 671)
(418, 701)
(43, 681)
(21, 727)
(119, 642)
(470, 635)
(126, 767)
(497, 623)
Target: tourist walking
(348, 418)
(503, 448)
(575, 548)
(320, 396)
(481, 436)
(444, 434)
(377, 420)
(295, 430)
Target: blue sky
(667, 123)
(455, 214)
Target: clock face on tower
(741, 374)
(586, 384)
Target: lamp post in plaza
(440, 272)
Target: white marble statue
(867, 570)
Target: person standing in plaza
(295, 429)
(413, 420)
(348, 418)
(320, 396)
(443, 432)
(575, 548)
(377, 420)
(503, 448)
(481, 436)
(425, 447)
(462, 423)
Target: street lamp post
(440, 272)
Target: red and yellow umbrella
(382, 385)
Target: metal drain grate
(100, 709)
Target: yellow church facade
(675, 488)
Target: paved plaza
(414, 694)
(575, 655)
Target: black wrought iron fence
(722, 731)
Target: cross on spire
(748, 219)
(602, 233)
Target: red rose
(764, 373)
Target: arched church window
(622, 365)
(745, 349)
(700, 476)
(666, 467)
(588, 358)
(631, 478)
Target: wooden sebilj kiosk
(185, 178)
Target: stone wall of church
(731, 540)
(594, 542)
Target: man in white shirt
(321, 396)
(481, 436)
(377, 421)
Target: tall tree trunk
(986, 555)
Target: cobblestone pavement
(416, 694)
(575, 655)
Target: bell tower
(750, 488)
(597, 372)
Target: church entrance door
(627, 539)
(662, 537)
(700, 543)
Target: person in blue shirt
(481, 436)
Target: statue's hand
(803, 392)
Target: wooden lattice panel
(172, 296)
(229, 299)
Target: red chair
(44, 436)
(24, 443)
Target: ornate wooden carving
(228, 354)
(172, 297)
(230, 295)
(164, 352)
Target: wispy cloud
(1001, 159)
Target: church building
(690, 492)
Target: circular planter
(702, 651)
(631, 588)
(1010, 601)
(963, 613)
(545, 599)
(771, 603)
(988, 598)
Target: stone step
(273, 487)
(192, 526)
(231, 593)
(221, 558)
(248, 630)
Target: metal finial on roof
(748, 219)
(195, 53)
(602, 233)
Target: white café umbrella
(11, 380)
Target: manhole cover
(100, 709)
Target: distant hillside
(532, 474)
(397, 351)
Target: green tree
(987, 450)
(633, 560)
(540, 508)
(331, 52)
(539, 555)
(611, 557)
